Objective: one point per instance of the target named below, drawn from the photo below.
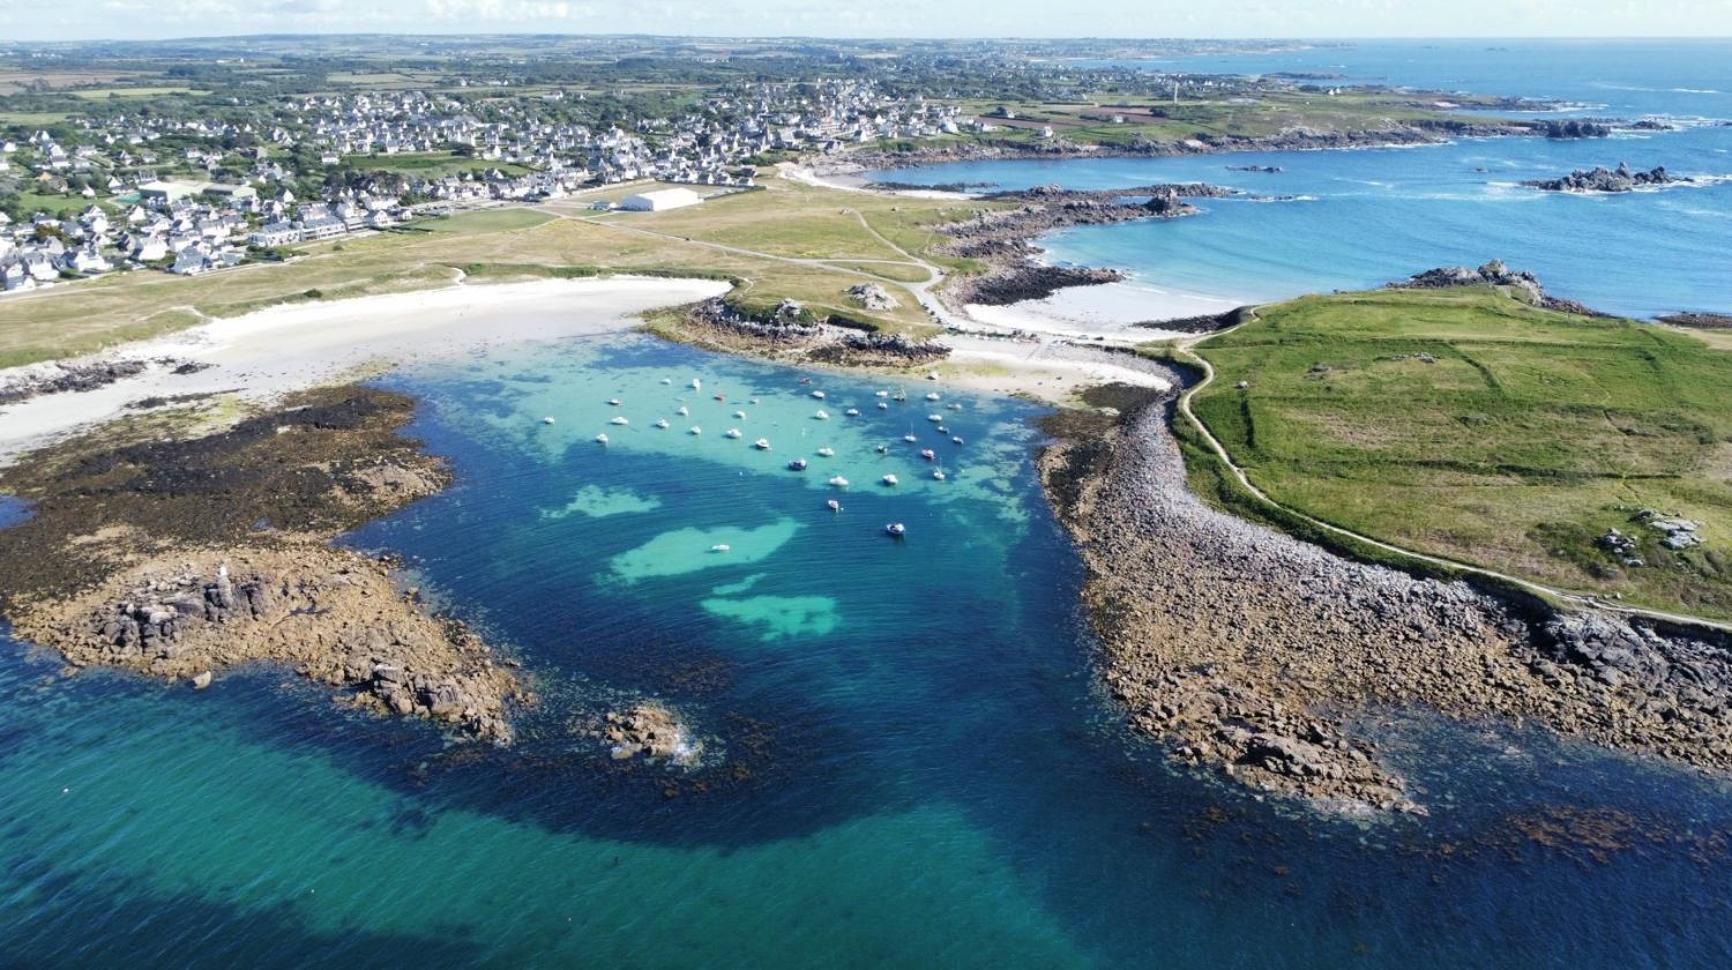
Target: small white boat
(762, 444)
(733, 432)
(667, 380)
(739, 415)
(833, 505)
(822, 415)
(697, 384)
(752, 401)
(933, 396)
(683, 411)
(901, 396)
(955, 407)
(621, 420)
(941, 429)
(883, 393)
(818, 394)
(895, 530)
(957, 439)
(826, 452)
(882, 406)
(797, 465)
(938, 473)
(601, 438)
(663, 423)
(909, 438)
(927, 454)
(889, 480)
(720, 547)
(839, 481)
(613, 401)
(935, 418)
(882, 449)
(547, 420)
(852, 412)
(694, 429)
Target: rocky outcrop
(1268, 683)
(871, 296)
(1033, 282)
(1601, 179)
(1524, 284)
(54, 378)
(333, 615)
(186, 557)
(1004, 238)
(650, 730)
(1699, 320)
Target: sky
(151, 19)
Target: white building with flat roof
(660, 200)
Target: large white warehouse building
(660, 200)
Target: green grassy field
(1269, 113)
(554, 239)
(1467, 424)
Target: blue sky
(60, 20)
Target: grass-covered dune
(1468, 424)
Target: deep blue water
(1367, 217)
(909, 763)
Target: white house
(660, 200)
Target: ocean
(907, 761)
(1358, 219)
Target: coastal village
(189, 195)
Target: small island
(1602, 179)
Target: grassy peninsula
(1468, 424)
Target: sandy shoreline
(263, 355)
(1109, 310)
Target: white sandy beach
(1042, 368)
(844, 182)
(263, 355)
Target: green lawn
(1468, 424)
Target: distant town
(124, 157)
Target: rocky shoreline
(185, 556)
(59, 377)
(1249, 652)
(1393, 134)
(1004, 238)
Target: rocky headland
(1524, 284)
(1250, 652)
(187, 555)
(1609, 180)
(793, 333)
(1004, 238)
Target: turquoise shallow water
(1364, 218)
(909, 764)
